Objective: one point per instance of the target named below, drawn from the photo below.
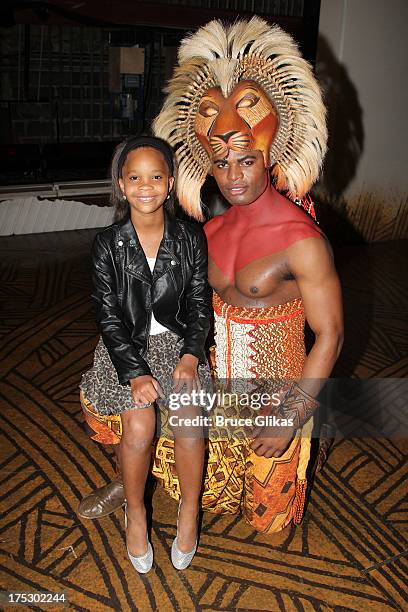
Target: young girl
(153, 310)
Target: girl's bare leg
(135, 454)
(189, 458)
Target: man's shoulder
(213, 225)
(290, 211)
(298, 224)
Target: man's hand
(185, 373)
(271, 441)
(145, 390)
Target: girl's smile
(145, 180)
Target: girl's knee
(138, 429)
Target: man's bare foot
(187, 526)
(136, 531)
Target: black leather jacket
(126, 292)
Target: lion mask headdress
(243, 87)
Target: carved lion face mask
(239, 87)
(246, 120)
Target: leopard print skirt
(101, 387)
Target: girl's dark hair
(123, 149)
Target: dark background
(59, 115)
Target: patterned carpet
(350, 551)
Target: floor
(348, 554)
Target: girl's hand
(185, 373)
(145, 390)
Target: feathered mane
(221, 56)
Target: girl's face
(146, 180)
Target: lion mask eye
(248, 101)
(208, 109)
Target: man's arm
(311, 263)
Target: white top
(155, 326)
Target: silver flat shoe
(179, 559)
(141, 563)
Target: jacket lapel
(167, 260)
(137, 265)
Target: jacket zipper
(183, 325)
(149, 321)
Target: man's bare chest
(258, 284)
(250, 264)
